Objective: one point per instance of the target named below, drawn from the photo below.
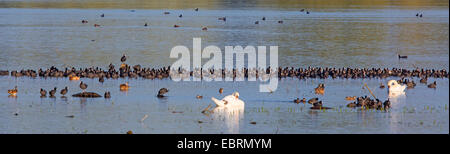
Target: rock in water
(86, 94)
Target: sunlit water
(33, 36)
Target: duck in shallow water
(199, 97)
(220, 90)
(313, 100)
(410, 84)
(320, 89)
(382, 86)
(107, 94)
(423, 80)
(64, 91)
(52, 92)
(83, 86)
(162, 91)
(402, 57)
(74, 77)
(432, 85)
(124, 87)
(229, 101)
(43, 93)
(318, 106)
(13, 92)
(350, 98)
(387, 104)
(123, 58)
(298, 100)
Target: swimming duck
(302, 10)
(83, 86)
(400, 56)
(176, 26)
(162, 91)
(107, 94)
(351, 105)
(297, 100)
(313, 100)
(199, 97)
(64, 91)
(307, 12)
(394, 87)
(223, 18)
(280, 21)
(320, 89)
(381, 86)
(124, 87)
(123, 58)
(96, 25)
(221, 90)
(432, 85)
(423, 80)
(263, 18)
(196, 9)
(103, 15)
(43, 92)
(145, 25)
(417, 14)
(410, 84)
(349, 98)
(13, 92)
(387, 104)
(52, 92)
(205, 28)
(180, 16)
(318, 106)
(256, 22)
(421, 15)
(229, 101)
(166, 12)
(74, 77)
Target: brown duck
(13, 92)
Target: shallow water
(366, 34)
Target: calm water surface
(40, 34)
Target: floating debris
(206, 109)
(143, 118)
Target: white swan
(395, 89)
(229, 101)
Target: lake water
(363, 34)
